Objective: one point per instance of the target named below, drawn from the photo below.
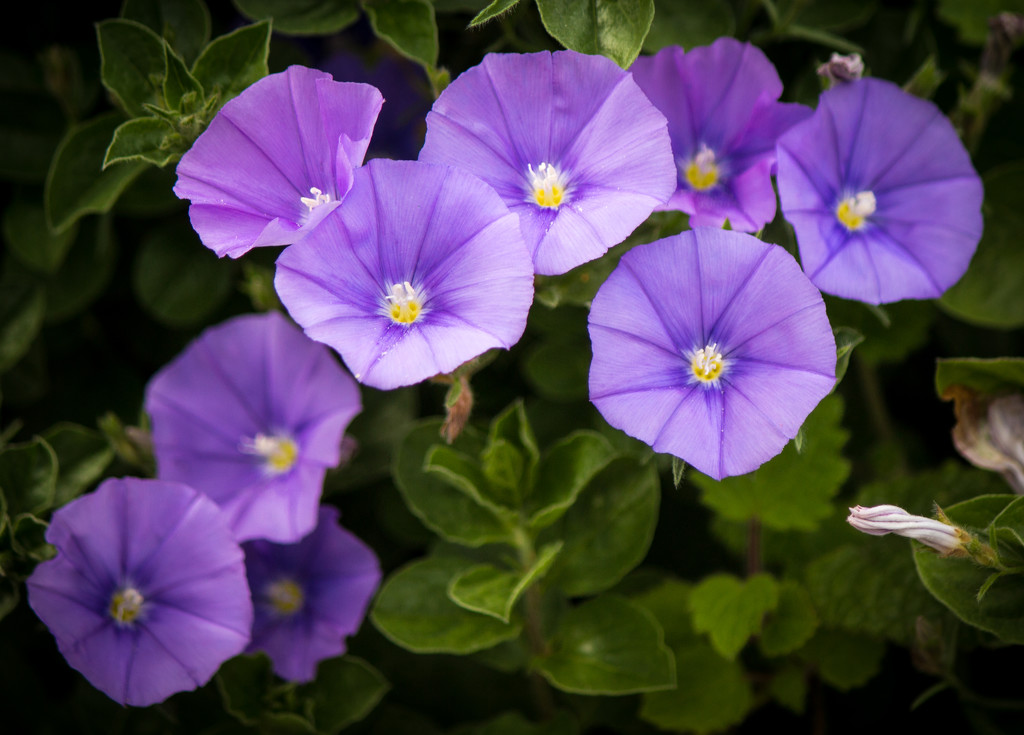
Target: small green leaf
(132, 64)
(990, 376)
(145, 139)
(926, 79)
(28, 538)
(608, 646)
(243, 682)
(345, 690)
(731, 610)
(791, 624)
(668, 601)
(302, 17)
(85, 272)
(689, 23)
(414, 611)
(844, 660)
(612, 28)
(233, 61)
(846, 339)
(77, 183)
(564, 471)
(678, 472)
(179, 82)
(82, 456)
(788, 687)
(492, 591)
(512, 425)
(504, 468)
(492, 11)
(29, 238)
(408, 25)
(28, 477)
(464, 474)
(184, 24)
(22, 306)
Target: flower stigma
(701, 171)
(404, 305)
(285, 596)
(854, 210)
(708, 363)
(279, 452)
(126, 605)
(546, 186)
(316, 200)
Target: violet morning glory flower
(420, 269)
(276, 159)
(147, 595)
(723, 118)
(252, 413)
(309, 595)
(883, 197)
(712, 346)
(567, 140)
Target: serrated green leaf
(846, 339)
(82, 456)
(233, 61)
(345, 690)
(22, 306)
(689, 23)
(793, 490)
(184, 24)
(302, 17)
(408, 25)
(731, 610)
(564, 471)
(608, 530)
(145, 139)
(990, 376)
(29, 238)
(791, 624)
(492, 591)
(712, 693)
(77, 184)
(492, 11)
(414, 611)
(132, 64)
(176, 280)
(608, 646)
(28, 477)
(844, 660)
(85, 272)
(442, 508)
(612, 28)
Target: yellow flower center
(854, 210)
(279, 452)
(701, 171)
(708, 363)
(285, 596)
(125, 605)
(546, 186)
(404, 305)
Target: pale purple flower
(309, 596)
(276, 159)
(147, 595)
(420, 269)
(881, 193)
(252, 414)
(712, 346)
(884, 519)
(723, 118)
(568, 141)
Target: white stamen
(279, 452)
(316, 200)
(546, 186)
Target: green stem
(753, 546)
(543, 697)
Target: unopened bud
(839, 69)
(880, 520)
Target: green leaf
(612, 28)
(788, 687)
(408, 25)
(77, 183)
(512, 425)
(989, 293)
(793, 490)
(344, 691)
(846, 339)
(176, 280)
(28, 538)
(86, 271)
(32, 121)
(608, 646)
(179, 84)
(464, 474)
(29, 238)
(184, 24)
(989, 376)
(233, 61)
(145, 139)
(414, 611)
(791, 624)
(828, 15)
(444, 509)
(711, 695)
(22, 305)
(558, 369)
(971, 19)
(132, 64)
(906, 330)
(844, 660)
(243, 682)
(82, 456)
(668, 601)
(608, 529)
(731, 610)
(302, 17)
(504, 468)
(492, 591)
(564, 471)
(513, 723)
(678, 472)
(28, 477)
(9, 596)
(492, 11)
(689, 23)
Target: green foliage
(22, 305)
(971, 19)
(133, 66)
(794, 490)
(492, 11)
(31, 241)
(305, 18)
(844, 660)
(233, 61)
(492, 591)
(989, 376)
(147, 139)
(791, 624)
(688, 23)
(31, 121)
(513, 723)
(890, 333)
(28, 477)
(184, 24)
(408, 25)
(731, 610)
(82, 455)
(608, 646)
(612, 28)
(85, 272)
(846, 339)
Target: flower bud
(880, 520)
(839, 69)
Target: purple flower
(567, 140)
(883, 197)
(420, 269)
(252, 413)
(712, 346)
(147, 595)
(309, 595)
(276, 159)
(723, 118)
